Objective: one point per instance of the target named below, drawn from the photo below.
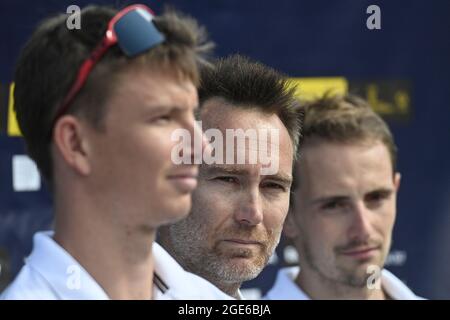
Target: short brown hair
(245, 83)
(346, 118)
(49, 62)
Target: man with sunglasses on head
(97, 107)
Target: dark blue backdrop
(303, 39)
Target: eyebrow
(343, 198)
(279, 177)
(169, 107)
(386, 191)
(328, 199)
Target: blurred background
(403, 69)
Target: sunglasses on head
(133, 30)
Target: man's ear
(397, 178)
(290, 227)
(69, 137)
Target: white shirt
(50, 272)
(285, 287)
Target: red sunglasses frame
(109, 39)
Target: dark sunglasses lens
(136, 32)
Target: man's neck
(317, 287)
(119, 259)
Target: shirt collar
(395, 288)
(70, 281)
(179, 283)
(63, 274)
(182, 284)
(285, 287)
(167, 274)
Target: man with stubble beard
(239, 208)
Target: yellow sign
(13, 127)
(313, 88)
